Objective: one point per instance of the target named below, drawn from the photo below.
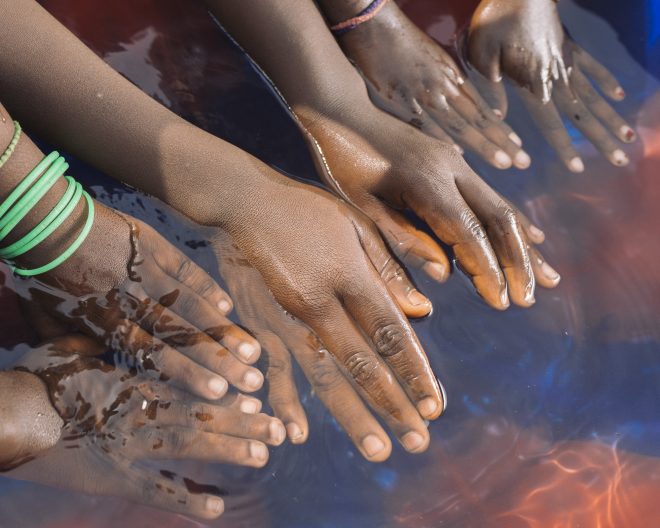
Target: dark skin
(323, 260)
(130, 288)
(409, 75)
(524, 41)
(95, 421)
(384, 166)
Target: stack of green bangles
(26, 195)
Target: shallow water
(553, 411)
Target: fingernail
(436, 271)
(502, 159)
(417, 299)
(277, 432)
(215, 505)
(412, 441)
(628, 134)
(444, 395)
(536, 232)
(513, 136)
(576, 165)
(427, 407)
(258, 451)
(619, 92)
(619, 158)
(294, 432)
(225, 306)
(498, 113)
(247, 352)
(522, 159)
(372, 445)
(550, 272)
(253, 380)
(249, 407)
(218, 386)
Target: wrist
(29, 425)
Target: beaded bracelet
(363, 16)
(26, 195)
(12, 145)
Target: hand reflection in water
(113, 418)
(148, 302)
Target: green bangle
(48, 225)
(70, 250)
(32, 197)
(27, 182)
(12, 145)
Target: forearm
(61, 90)
(29, 424)
(290, 41)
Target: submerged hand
(283, 336)
(525, 41)
(412, 77)
(144, 299)
(385, 167)
(113, 418)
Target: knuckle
(177, 440)
(325, 375)
(363, 368)
(389, 339)
(206, 287)
(472, 227)
(184, 268)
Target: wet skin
(138, 294)
(106, 419)
(322, 259)
(409, 75)
(384, 166)
(524, 40)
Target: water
(552, 417)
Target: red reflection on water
(498, 476)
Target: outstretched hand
(151, 305)
(113, 418)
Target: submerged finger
(549, 123)
(600, 74)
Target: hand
(283, 336)
(413, 78)
(525, 41)
(383, 167)
(326, 265)
(522, 39)
(148, 302)
(113, 418)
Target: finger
(603, 111)
(394, 340)
(142, 485)
(489, 111)
(189, 306)
(577, 112)
(217, 419)
(455, 224)
(411, 301)
(371, 376)
(427, 125)
(343, 403)
(600, 74)
(414, 247)
(242, 402)
(489, 128)
(506, 234)
(533, 233)
(494, 93)
(465, 134)
(282, 391)
(549, 123)
(201, 348)
(485, 57)
(152, 356)
(174, 442)
(545, 274)
(182, 269)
